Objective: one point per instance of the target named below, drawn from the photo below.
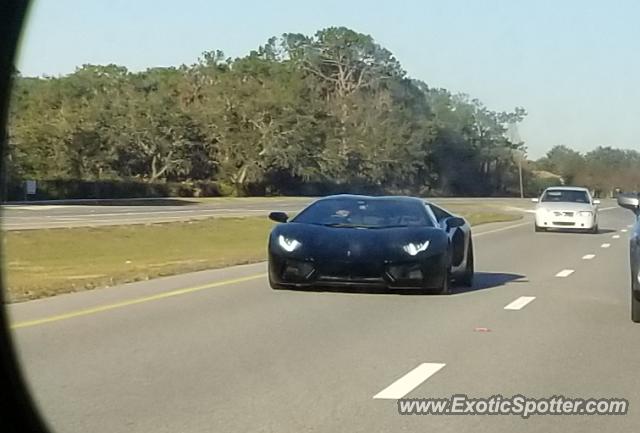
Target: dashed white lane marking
(609, 208)
(519, 303)
(409, 381)
(588, 256)
(623, 230)
(565, 273)
(629, 226)
(605, 245)
(615, 237)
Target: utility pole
(520, 174)
(514, 137)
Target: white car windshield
(560, 195)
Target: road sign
(31, 187)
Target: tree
(563, 161)
(334, 111)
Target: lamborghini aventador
(378, 242)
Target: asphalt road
(51, 215)
(218, 351)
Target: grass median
(47, 262)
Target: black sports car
(378, 242)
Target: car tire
(595, 230)
(539, 229)
(273, 285)
(635, 309)
(445, 289)
(467, 277)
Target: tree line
(301, 114)
(605, 170)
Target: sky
(574, 65)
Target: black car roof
(374, 198)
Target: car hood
(357, 244)
(565, 206)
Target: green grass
(47, 262)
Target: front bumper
(560, 220)
(423, 273)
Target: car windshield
(364, 213)
(566, 195)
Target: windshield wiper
(391, 226)
(343, 225)
(362, 226)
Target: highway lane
(51, 215)
(240, 357)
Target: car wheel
(467, 277)
(539, 229)
(273, 285)
(595, 230)
(445, 289)
(635, 309)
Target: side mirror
(279, 217)
(596, 201)
(453, 222)
(631, 202)
(535, 200)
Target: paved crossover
(218, 351)
(52, 215)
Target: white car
(566, 207)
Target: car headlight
(288, 245)
(414, 248)
(586, 213)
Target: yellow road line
(135, 301)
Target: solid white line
(519, 303)
(565, 273)
(409, 381)
(609, 208)
(616, 236)
(605, 245)
(475, 235)
(588, 256)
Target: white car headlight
(288, 245)
(414, 248)
(586, 213)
